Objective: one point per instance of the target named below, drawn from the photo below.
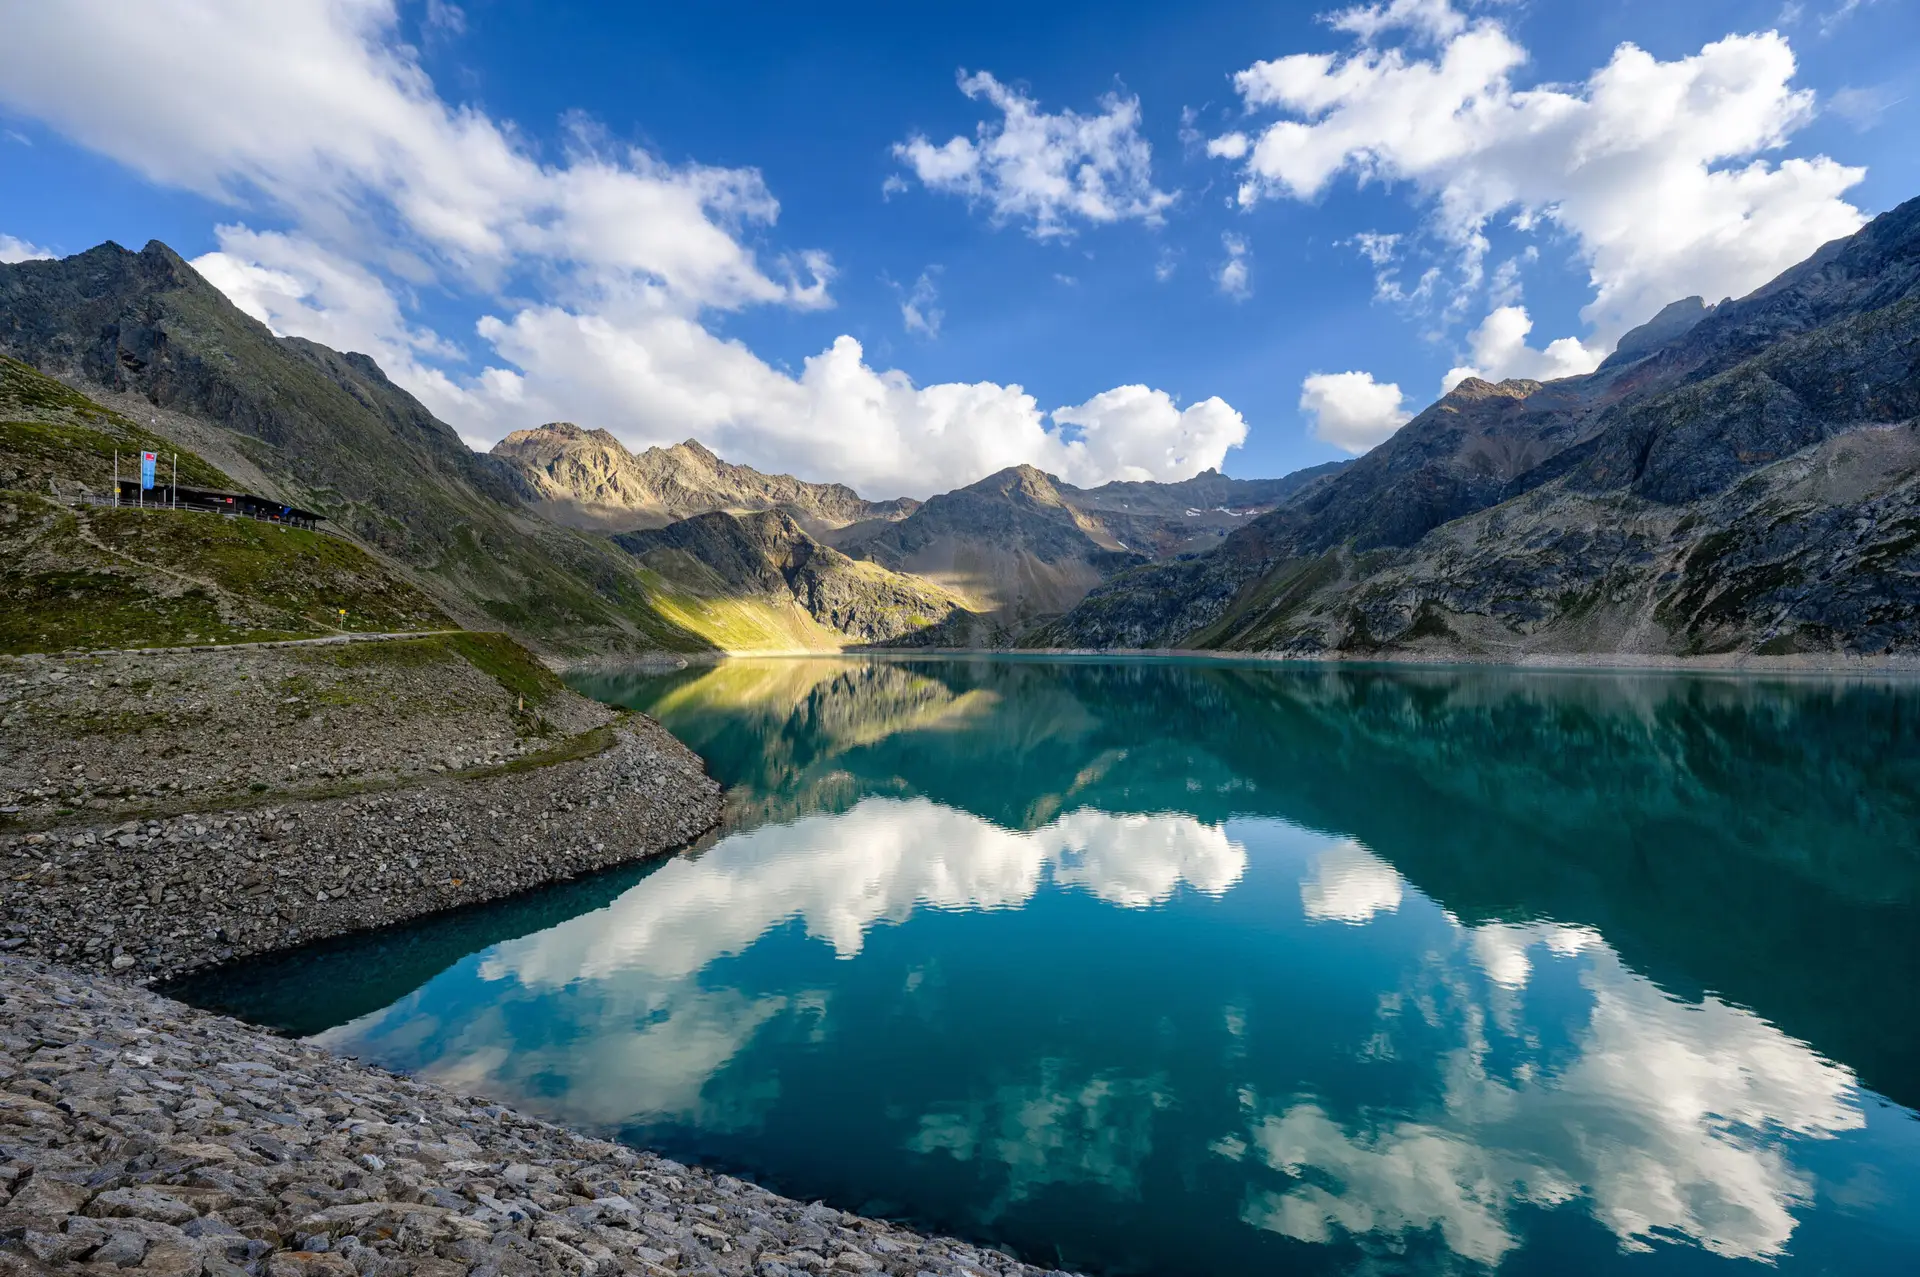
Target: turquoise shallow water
(1151, 967)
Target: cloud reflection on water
(637, 963)
(1350, 884)
(1665, 1117)
(841, 875)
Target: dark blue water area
(1191, 969)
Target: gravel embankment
(89, 736)
(334, 790)
(141, 1136)
(154, 898)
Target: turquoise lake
(1202, 968)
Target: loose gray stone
(135, 1131)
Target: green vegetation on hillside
(748, 623)
(49, 431)
(333, 434)
(99, 577)
(87, 577)
(513, 667)
(510, 665)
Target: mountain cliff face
(588, 479)
(1736, 479)
(1165, 520)
(326, 431)
(1010, 544)
(769, 558)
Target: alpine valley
(1736, 481)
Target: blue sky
(669, 220)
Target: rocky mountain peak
(588, 478)
(158, 256)
(694, 448)
(1675, 320)
(1477, 390)
(546, 444)
(1021, 483)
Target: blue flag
(148, 460)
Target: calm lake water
(1208, 969)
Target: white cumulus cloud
(1351, 410)
(292, 285)
(599, 268)
(1665, 175)
(1500, 351)
(1234, 276)
(1134, 432)
(19, 250)
(657, 377)
(1047, 170)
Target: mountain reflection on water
(1204, 968)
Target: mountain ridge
(1017, 545)
(1009, 543)
(328, 431)
(589, 479)
(1737, 477)
(1744, 481)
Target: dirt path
(345, 636)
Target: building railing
(160, 502)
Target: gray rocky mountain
(145, 335)
(1165, 520)
(1010, 545)
(768, 557)
(588, 479)
(1737, 479)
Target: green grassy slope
(51, 432)
(82, 577)
(94, 577)
(336, 436)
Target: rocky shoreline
(1541, 662)
(141, 1136)
(95, 736)
(155, 898)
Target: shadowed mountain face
(1735, 479)
(1168, 519)
(1010, 544)
(768, 558)
(326, 431)
(588, 479)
